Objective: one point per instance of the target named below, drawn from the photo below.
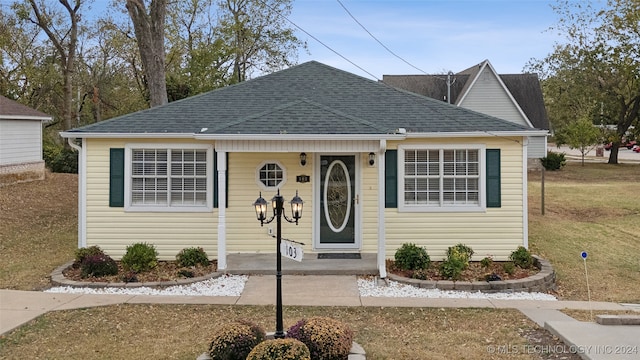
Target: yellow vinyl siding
(113, 229)
(496, 232)
(369, 205)
(244, 233)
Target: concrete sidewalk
(591, 340)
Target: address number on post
(291, 250)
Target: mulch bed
(164, 271)
(475, 272)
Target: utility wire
(376, 39)
(358, 66)
(316, 39)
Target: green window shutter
(494, 198)
(116, 177)
(215, 180)
(391, 179)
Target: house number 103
(291, 250)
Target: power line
(376, 39)
(318, 40)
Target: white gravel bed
(231, 285)
(370, 288)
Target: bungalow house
(376, 167)
(513, 97)
(20, 142)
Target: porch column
(222, 209)
(382, 268)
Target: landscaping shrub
(553, 161)
(412, 257)
(457, 261)
(486, 262)
(140, 257)
(235, 340)
(452, 268)
(462, 250)
(98, 265)
(59, 159)
(522, 258)
(82, 253)
(281, 349)
(326, 338)
(191, 257)
(509, 268)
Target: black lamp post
(261, 213)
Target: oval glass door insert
(337, 196)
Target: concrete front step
(618, 319)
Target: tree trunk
(149, 30)
(66, 50)
(613, 156)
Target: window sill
(165, 209)
(441, 209)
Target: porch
(336, 264)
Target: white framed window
(441, 178)
(270, 175)
(168, 177)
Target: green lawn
(595, 208)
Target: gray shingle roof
(13, 109)
(311, 98)
(525, 89)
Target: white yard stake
(584, 258)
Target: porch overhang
(325, 146)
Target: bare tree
(149, 29)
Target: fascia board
(83, 135)
(286, 137)
(21, 117)
(477, 134)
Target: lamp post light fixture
(278, 213)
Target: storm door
(338, 202)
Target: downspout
(222, 210)
(382, 269)
(82, 201)
(525, 202)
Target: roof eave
(82, 135)
(196, 136)
(476, 134)
(26, 117)
(299, 136)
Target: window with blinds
(169, 177)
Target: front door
(338, 200)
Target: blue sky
(433, 35)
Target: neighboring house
(514, 97)
(20, 142)
(382, 167)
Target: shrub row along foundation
(543, 281)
